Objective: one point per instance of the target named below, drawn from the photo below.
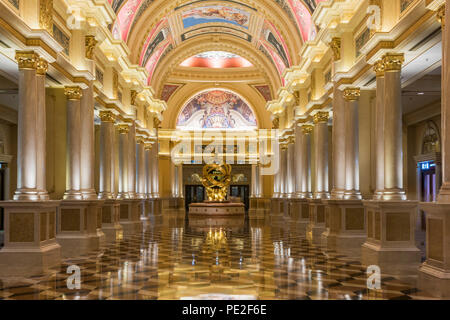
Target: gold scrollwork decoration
(90, 43)
(73, 93)
(393, 61)
(352, 94)
(27, 60)
(107, 116)
(216, 180)
(321, 117)
(46, 15)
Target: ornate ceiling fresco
(178, 23)
(216, 109)
(216, 60)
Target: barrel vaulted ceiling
(162, 35)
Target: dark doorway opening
(242, 192)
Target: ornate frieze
(46, 15)
(335, 45)
(90, 43)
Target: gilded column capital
(321, 117)
(379, 68)
(90, 43)
(393, 61)
(307, 129)
(41, 67)
(140, 140)
(123, 128)
(276, 123)
(441, 15)
(73, 93)
(107, 116)
(27, 60)
(148, 146)
(352, 94)
(335, 45)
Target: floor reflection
(211, 259)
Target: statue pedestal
(217, 209)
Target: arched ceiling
(151, 28)
(162, 34)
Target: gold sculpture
(216, 180)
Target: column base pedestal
(259, 208)
(130, 217)
(434, 281)
(316, 224)
(77, 230)
(110, 221)
(346, 226)
(300, 215)
(30, 246)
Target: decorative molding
(90, 43)
(46, 15)
(379, 68)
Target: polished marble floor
(182, 260)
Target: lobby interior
(331, 113)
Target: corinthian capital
(393, 61)
(41, 67)
(321, 117)
(73, 93)
(27, 59)
(352, 94)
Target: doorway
(242, 192)
(194, 194)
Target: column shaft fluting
(393, 129)
(27, 128)
(339, 133)
(352, 144)
(106, 154)
(283, 171)
(379, 131)
(321, 155)
(73, 174)
(277, 177)
(87, 136)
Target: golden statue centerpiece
(216, 180)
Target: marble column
(393, 128)
(283, 171)
(124, 129)
(155, 170)
(339, 133)
(321, 155)
(30, 245)
(73, 174)
(141, 175)
(290, 170)
(305, 161)
(277, 177)
(87, 136)
(41, 131)
(434, 273)
(379, 130)
(106, 154)
(351, 96)
(148, 169)
(256, 182)
(26, 140)
(132, 161)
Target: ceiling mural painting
(216, 60)
(264, 90)
(158, 42)
(125, 18)
(169, 90)
(215, 14)
(216, 109)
